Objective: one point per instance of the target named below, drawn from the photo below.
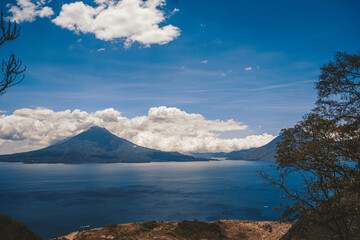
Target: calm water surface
(56, 199)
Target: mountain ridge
(96, 145)
(263, 153)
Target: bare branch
(8, 32)
(11, 69)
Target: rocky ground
(186, 230)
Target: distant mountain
(96, 145)
(264, 153)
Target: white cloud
(205, 61)
(101, 50)
(128, 20)
(28, 10)
(248, 69)
(173, 12)
(168, 129)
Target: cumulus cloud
(129, 20)
(248, 69)
(27, 10)
(168, 129)
(205, 61)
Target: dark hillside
(264, 153)
(15, 230)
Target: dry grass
(186, 230)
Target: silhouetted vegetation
(111, 226)
(324, 150)
(14, 230)
(200, 230)
(150, 224)
(12, 67)
(318, 229)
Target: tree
(324, 151)
(12, 67)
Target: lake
(56, 199)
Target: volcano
(97, 145)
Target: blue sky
(282, 44)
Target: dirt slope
(186, 230)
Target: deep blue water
(56, 199)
